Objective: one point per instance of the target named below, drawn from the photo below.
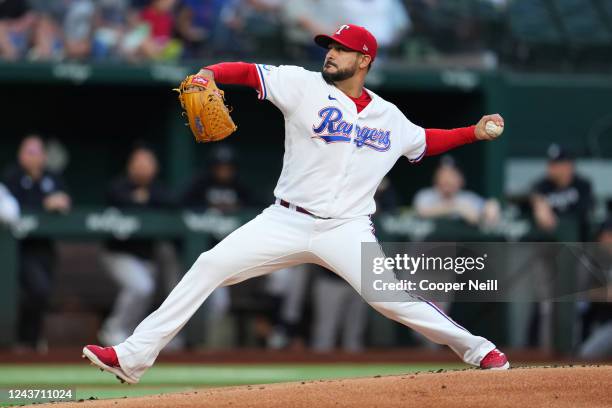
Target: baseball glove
(204, 105)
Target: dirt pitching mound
(522, 387)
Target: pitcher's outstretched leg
(339, 247)
(273, 240)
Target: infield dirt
(584, 386)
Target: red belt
(297, 208)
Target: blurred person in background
(16, 21)
(196, 22)
(339, 313)
(303, 19)
(31, 183)
(561, 193)
(598, 316)
(110, 26)
(386, 197)
(465, 28)
(249, 27)
(130, 262)
(9, 207)
(78, 27)
(219, 187)
(388, 20)
(157, 34)
(134, 37)
(289, 286)
(447, 198)
(36, 189)
(67, 29)
(27, 30)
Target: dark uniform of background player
(218, 188)
(36, 189)
(562, 192)
(131, 262)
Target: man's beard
(339, 75)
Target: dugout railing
(197, 232)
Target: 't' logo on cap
(342, 27)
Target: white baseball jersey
(335, 158)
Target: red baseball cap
(353, 37)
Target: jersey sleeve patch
(262, 92)
(420, 157)
(284, 85)
(415, 145)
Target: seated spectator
(49, 38)
(110, 26)
(36, 189)
(218, 188)
(64, 29)
(195, 24)
(9, 207)
(27, 31)
(130, 262)
(249, 27)
(387, 19)
(16, 21)
(459, 27)
(447, 199)
(561, 192)
(154, 39)
(303, 19)
(78, 25)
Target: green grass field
(90, 382)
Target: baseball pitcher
(340, 141)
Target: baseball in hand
(493, 129)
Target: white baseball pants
(279, 238)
